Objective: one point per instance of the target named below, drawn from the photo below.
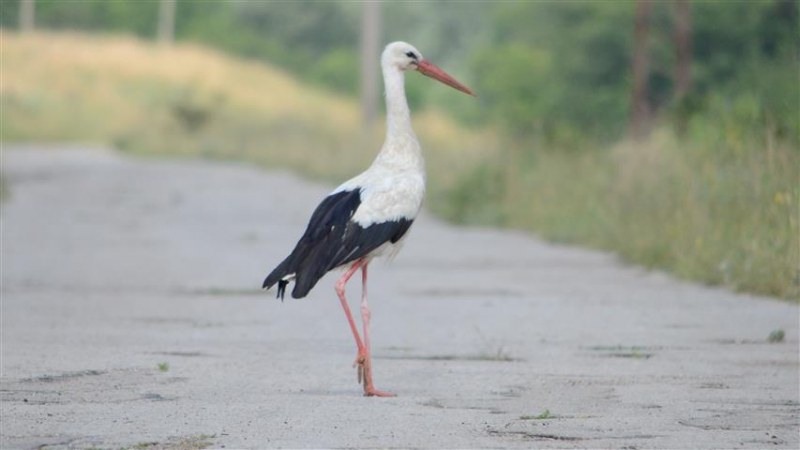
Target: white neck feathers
(401, 148)
(398, 116)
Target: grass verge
(706, 209)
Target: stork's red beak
(430, 69)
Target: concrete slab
(132, 317)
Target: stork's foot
(363, 364)
(372, 392)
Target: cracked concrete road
(131, 317)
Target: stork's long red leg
(340, 292)
(365, 361)
(365, 313)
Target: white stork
(370, 214)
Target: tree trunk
(370, 48)
(26, 15)
(640, 104)
(166, 21)
(683, 49)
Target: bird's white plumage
(386, 194)
(394, 185)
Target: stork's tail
(305, 276)
(280, 277)
(281, 289)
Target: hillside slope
(190, 100)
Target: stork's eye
(411, 55)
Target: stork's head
(404, 56)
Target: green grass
(197, 442)
(544, 415)
(713, 207)
(776, 336)
(719, 205)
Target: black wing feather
(331, 240)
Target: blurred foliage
(564, 76)
(555, 72)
